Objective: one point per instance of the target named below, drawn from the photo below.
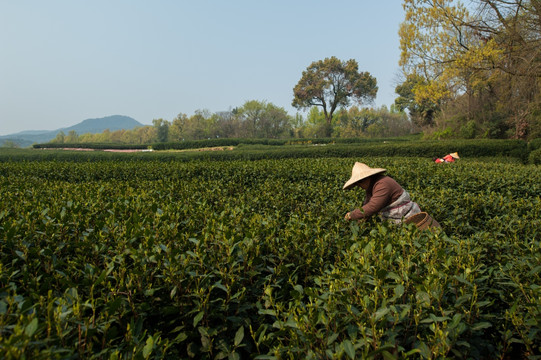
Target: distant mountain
(93, 126)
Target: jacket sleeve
(381, 197)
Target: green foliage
(422, 112)
(252, 259)
(447, 133)
(477, 59)
(468, 130)
(332, 84)
(534, 144)
(260, 119)
(197, 144)
(95, 146)
(9, 144)
(535, 157)
(300, 148)
(162, 129)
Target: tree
(177, 127)
(371, 122)
(250, 114)
(162, 129)
(297, 124)
(486, 55)
(227, 124)
(59, 139)
(129, 137)
(263, 120)
(72, 137)
(10, 144)
(116, 136)
(146, 134)
(275, 122)
(315, 125)
(199, 126)
(389, 123)
(331, 84)
(103, 137)
(422, 111)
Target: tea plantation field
(241, 259)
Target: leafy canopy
(483, 53)
(332, 83)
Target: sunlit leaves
(487, 50)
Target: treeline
(255, 120)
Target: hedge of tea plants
(196, 144)
(242, 259)
(260, 149)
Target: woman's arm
(382, 192)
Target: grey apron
(400, 209)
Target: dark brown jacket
(382, 191)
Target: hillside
(94, 126)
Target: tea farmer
(384, 196)
(446, 159)
(451, 157)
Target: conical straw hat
(455, 155)
(361, 171)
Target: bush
(534, 144)
(468, 131)
(535, 157)
(441, 134)
(267, 149)
(95, 146)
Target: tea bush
(235, 259)
(535, 157)
(261, 149)
(534, 144)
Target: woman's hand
(348, 216)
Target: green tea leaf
(239, 336)
(198, 318)
(348, 349)
(332, 338)
(147, 349)
(481, 326)
(399, 290)
(3, 307)
(381, 313)
(31, 328)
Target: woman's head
(365, 183)
(359, 173)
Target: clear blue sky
(64, 61)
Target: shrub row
(95, 146)
(256, 151)
(475, 147)
(535, 157)
(196, 144)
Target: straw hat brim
(361, 172)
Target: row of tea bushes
(253, 259)
(196, 144)
(260, 150)
(535, 157)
